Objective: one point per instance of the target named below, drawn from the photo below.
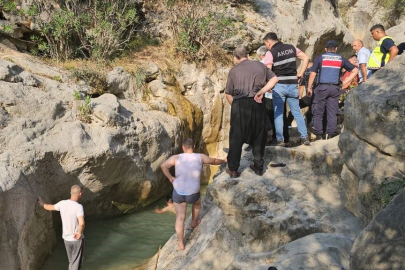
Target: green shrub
(7, 29)
(389, 189)
(85, 110)
(98, 29)
(198, 26)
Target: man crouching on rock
(72, 215)
(186, 184)
(248, 117)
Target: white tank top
(188, 171)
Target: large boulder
(317, 251)
(381, 245)
(372, 142)
(45, 149)
(287, 211)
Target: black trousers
(248, 125)
(325, 97)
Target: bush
(98, 29)
(197, 26)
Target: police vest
(284, 63)
(377, 58)
(331, 66)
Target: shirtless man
(186, 184)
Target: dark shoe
(232, 174)
(329, 136)
(279, 143)
(257, 172)
(319, 137)
(305, 141)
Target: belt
(334, 84)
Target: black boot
(330, 136)
(319, 137)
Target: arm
(353, 74)
(78, 234)
(393, 52)
(49, 207)
(212, 161)
(269, 85)
(166, 165)
(363, 68)
(311, 82)
(229, 98)
(163, 210)
(270, 66)
(305, 60)
(301, 90)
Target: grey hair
(262, 50)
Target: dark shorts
(193, 198)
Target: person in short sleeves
(72, 215)
(329, 65)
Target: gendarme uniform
(381, 54)
(326, 94)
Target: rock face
(372, 142)
(45, 149)
(279, 213)
(381, 245)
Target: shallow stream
(122, 243)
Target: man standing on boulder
(282, 60)
(186, 184)
(72, 215)
(384, 52)
(329, 65)
(248, 118)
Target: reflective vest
(331, 66)
(377, 58)
(284, 63)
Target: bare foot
(195, 223)
(180, 245)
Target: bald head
(357, 44)
(75, 191)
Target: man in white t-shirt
(72, 215)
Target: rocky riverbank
(309, 214)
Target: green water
(121, 243)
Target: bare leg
(195, 211)
(181, 209)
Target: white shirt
(69, 212)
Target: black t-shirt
(386, 45)
(247, 78)
(401, 48)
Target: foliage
(7, 29)
(389, 189)
(396, 9)
(98, 29)
(85, 110)
(197, 26)
(95, 79)
(76, 95)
